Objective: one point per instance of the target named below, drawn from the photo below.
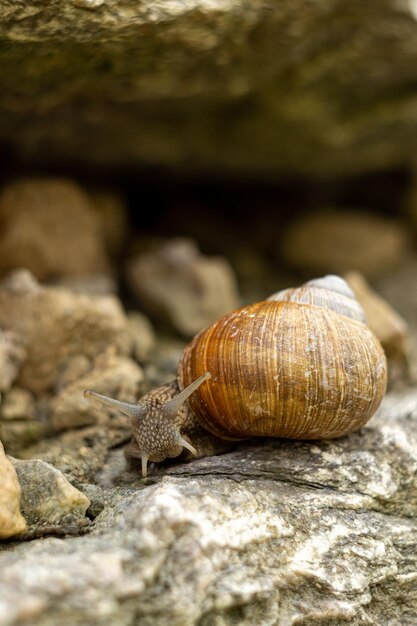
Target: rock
(397, 287)
(276, 532)
(17, 404)
(265, 88)
(83, 452)
(178, 283)
(50, 228)
(17, 435)
(339, 241)
(142, 336)
(23, 421)
(98, 285)
(97, 498)
(11, 520)
(388, 325)
(47, 496)
(12, 355)
(57, 325)
(110, 374)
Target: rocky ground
(271, 532)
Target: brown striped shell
(292, 366)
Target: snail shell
(301, 365)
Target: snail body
(301, 365)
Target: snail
(302, 364)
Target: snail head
(155, 422)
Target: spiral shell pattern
(285, 369)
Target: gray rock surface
(272, 533)
(221, 85)
(47, 496)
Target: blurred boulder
(50, 227)
(12, 355)
(109, 374)
(22, 422)
(388, 325)
(142, 335)
(229, 87)
(17, 404)
(57, 325)
(177, 283)
(11, 521)
(336, 241)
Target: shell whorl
(283, 369)
(330, 292)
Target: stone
(12, 355)
(177, 283)
(18, 434)
(111, 375)
(275, 532)
(80, 454)
(265, 88)
(397, 287)
(50, 228)
(142, 335)
(11, 521)
(57, 325)
(388, 325)
(17, 404)
(337, 241)
(97, 285)
(47, 496)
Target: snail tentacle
(144, 462)
(134, 411)
(172, 406)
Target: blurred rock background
(163, 163)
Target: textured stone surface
(50, 227)
(47, 496)
(223, 85)
(11, 520)
(272, 533)
(179, 284)
(57, 325)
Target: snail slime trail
(302, 364)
